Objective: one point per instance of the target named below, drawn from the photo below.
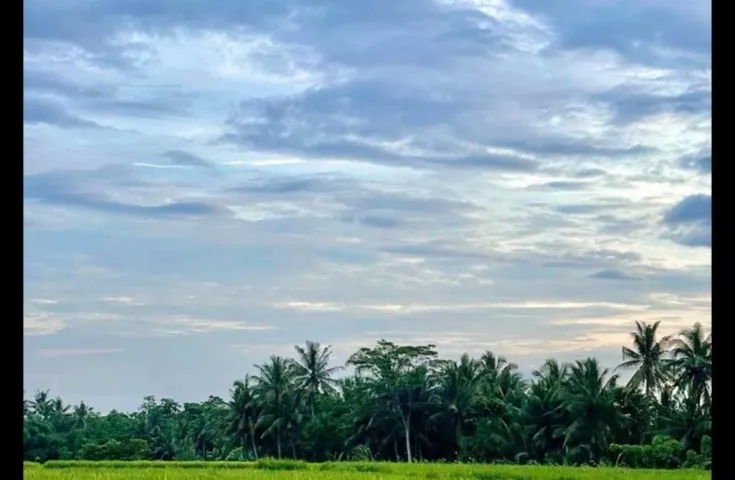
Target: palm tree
(41, 404)
(552, 373)
(545, 408)
(493, 367)
(81, 413)
(688, 421)
(312, 372)
(283, 420)
(691, 362)
(590, 401)
(274, 382)
(647, 356)
(458, 393)
(243, 414)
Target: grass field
(272, 470)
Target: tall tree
(312, 372)
(691, 362)
(458, 393)
(647, 357)
(400, 378)
(243, 413)
(590, 401)
(274, 382)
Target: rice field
(294, 470)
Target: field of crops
(287, 470)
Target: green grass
(296, 470)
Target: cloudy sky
(207, 183)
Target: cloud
(59, 188)
(561, 185)
(692, 209)
(632, 107)
(374, 221)
(52, 353)
(590, 173)
(41, 323)
(690, 221)
(628, 26)
(612, 274)
(492, 173)
(40, 110)
(186, 159)
(701, 162)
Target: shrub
(361, 453)
(273, 464)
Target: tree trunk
(255, 447)
(395, 448)
(293, 448)
(407, 428)
(278, 442)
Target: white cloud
(481, 174)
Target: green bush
(132, 449)
(273, 464)
(361, 453)
(663, 452)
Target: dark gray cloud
(588, 259)
(347, 120)
(43, 81)
(701, 162)
(436, 249)
(419, 38)
(691, 209)
(51, 112)
(70, 189)
(630, 27)
(580, 208)
(690, 221)
(631, 106)
(186, 159)
(561, 185)
(590, 173)
(357, 203)
(374, 221)
(292, 186)
(614, 274)
(698, 236)
(42, 86)
(416, 31)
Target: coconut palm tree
(688, 421)
(274, 382)
(81, 413)
(691, 362)
(458, 393)
(312, 372)
(494, 371)
(243, 413)
(647, 357)
(545, 409)
(590, 401)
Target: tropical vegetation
(403, 403)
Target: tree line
(405, 403)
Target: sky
(207, 183)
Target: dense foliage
(404, 403)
